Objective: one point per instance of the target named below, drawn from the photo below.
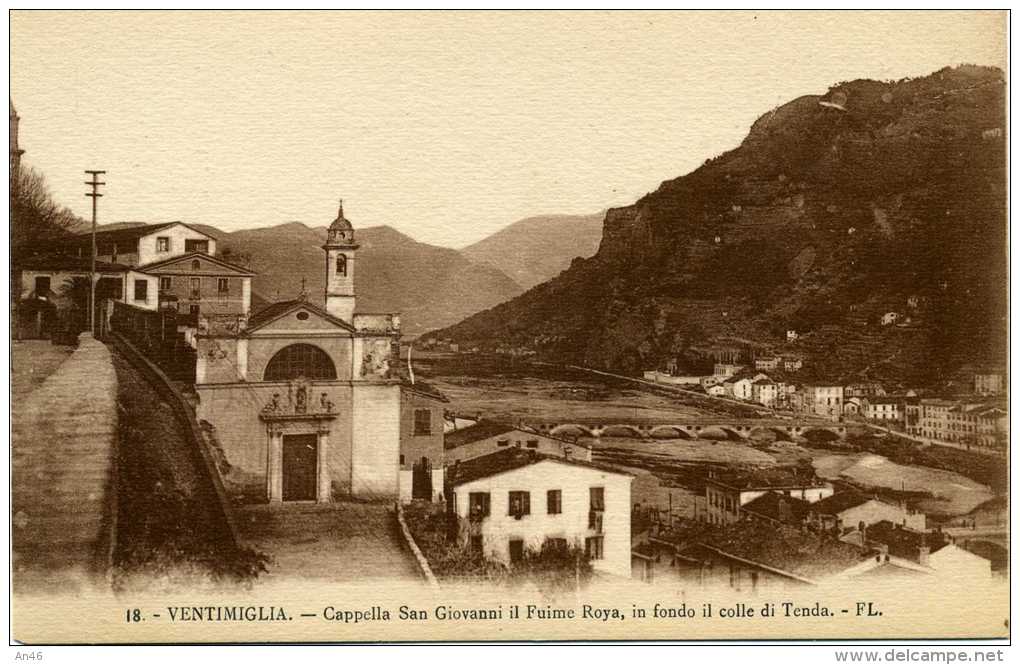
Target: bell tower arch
(340, 249)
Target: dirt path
(339, 543)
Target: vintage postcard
(489, 326)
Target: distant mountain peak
(537, 248)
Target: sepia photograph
(333, 327)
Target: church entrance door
(299, 464)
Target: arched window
(196, 264)
(299, 361)
(341, 265)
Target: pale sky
(446, 126)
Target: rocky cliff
(835, 209)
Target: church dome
(341, 231)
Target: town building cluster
(974, 417)
(783, 527)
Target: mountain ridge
(834, 209)
(537, 248)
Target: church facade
(302, 400)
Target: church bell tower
(340, 248)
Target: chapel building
(303, 400)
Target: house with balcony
(515, 500)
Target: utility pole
(94, 195)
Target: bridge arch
(778, 433)
(715, 433)
(571, 429)
(669, 432)
(630, 431)
(819, 434)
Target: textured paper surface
(446, 126)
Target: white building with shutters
(516, 500)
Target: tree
(35, 216)
(76, 291)
(75, 318)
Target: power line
(94, 195)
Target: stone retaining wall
(419, 557)
(63, 452)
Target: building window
(516, 550)
(196, 288)
(593, 547)
(532, 443)
(166, 283)
(196, 265)
(191, 245)
(519, 504)
(401, 460)
(554, 502)
(141, 289)
(223, 285)
(341, 265)
(194, 310)
(163, 244)
(596, 496)
(422, 422)
(42, 285)
(478, 504)
(113, 254)
(300, 361)
(556, 544)
(503, 443)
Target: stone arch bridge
(732, 429)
